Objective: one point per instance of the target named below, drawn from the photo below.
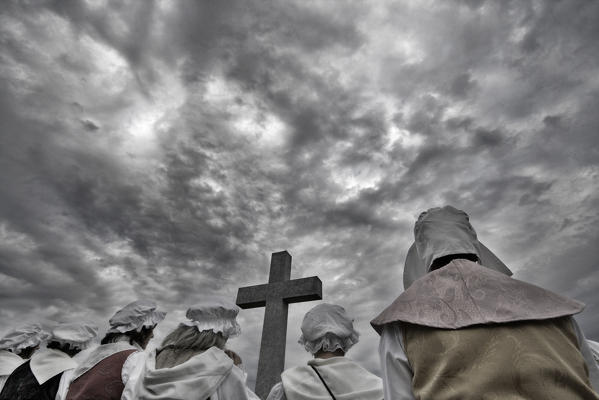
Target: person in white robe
(63, 353)
(40, 377)
(120, 357)
(17, 346)
(193, 364)
(463, 328)
(328, 333)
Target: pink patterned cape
(464, 293)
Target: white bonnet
(442, 231)
(79, 335)
(135, 316)
(26, 336)
(216, 314)
(328, 327)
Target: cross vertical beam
(276, 296)
(274, 330)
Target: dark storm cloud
(165, 149)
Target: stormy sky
(164, 149)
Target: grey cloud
(89, 125)
(462, 85)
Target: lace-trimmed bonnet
(26, 336)
(327, 327)
(78, 335)
(442, 231)
(218, 315)
(135, 316)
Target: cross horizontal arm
(252, 296)
(304, 289)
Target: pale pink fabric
(464, 293)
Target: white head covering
(75, 335)
(135, 316)
(26, 336)
(216, 314)
(443, 231)
(327, 327)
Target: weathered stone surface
(276, 296)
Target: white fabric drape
(8, 363)
(208, 374)
(47, 363)
(345, 378)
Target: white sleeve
(588, 357)
(63, 386)
(233, 387)
(131, 374)
(277, 392)
(396, 370)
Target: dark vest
(22, 385)
(103, 381)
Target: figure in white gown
(192, 364)
(41, 376)
(327, 334)
(112, 370)
(17, 346)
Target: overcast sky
(165, 149)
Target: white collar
(9, 362)
(100, 353)
(47, 363)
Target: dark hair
(141, 337)
(443, 261)
(27, 352)
(64, 347)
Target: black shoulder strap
(323, 382)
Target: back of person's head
(185, 342)
(25, 340)
(327, 328)
(443, 234)
(134, 323)
(209, 324)
(71, 338)
(140, 338)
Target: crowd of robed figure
(463, 328)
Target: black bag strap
(323, 382)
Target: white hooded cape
(210, 374)
(345, 378)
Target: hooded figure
(328, 333)
(463, 329)
(111, 371)
(192, 364)
(41, 376)
(17, 346)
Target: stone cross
(276, 296)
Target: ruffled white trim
(228, 327)
(147, 321)
(31, 341)
(329, 342)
